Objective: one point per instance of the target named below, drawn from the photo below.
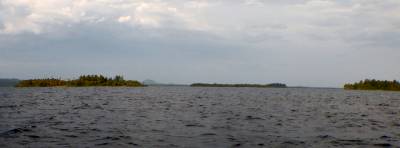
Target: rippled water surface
(198, 117)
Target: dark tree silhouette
(373, 84)
(82, 81)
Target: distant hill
(8, 82)
(149, 82)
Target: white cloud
(41, 16)
(250, 19)
(123, 19)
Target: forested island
(373, 84)
(272, 85)
(82, 81)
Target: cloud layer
(300, 42)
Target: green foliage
(52, 82)
(374, 85)
(82, 81)
(273, 85)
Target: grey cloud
(313, 43)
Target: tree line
(82, 81)
(373, 84)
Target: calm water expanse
(198, 117)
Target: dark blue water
(198, 117)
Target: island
(272, 85)
(82, 81)
(372, 84)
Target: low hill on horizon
(8, 82)
(150, 82)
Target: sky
(323, 43)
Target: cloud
(42, 16)
(124, 19)
(314, 19)
(254, 39)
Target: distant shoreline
(272, 85)
(8, 82)
(118, 81)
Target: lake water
(198, 117)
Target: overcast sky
(297, 42)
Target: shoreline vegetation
(119, 81)
(272, 85)
(373, 84)
(82, 81)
